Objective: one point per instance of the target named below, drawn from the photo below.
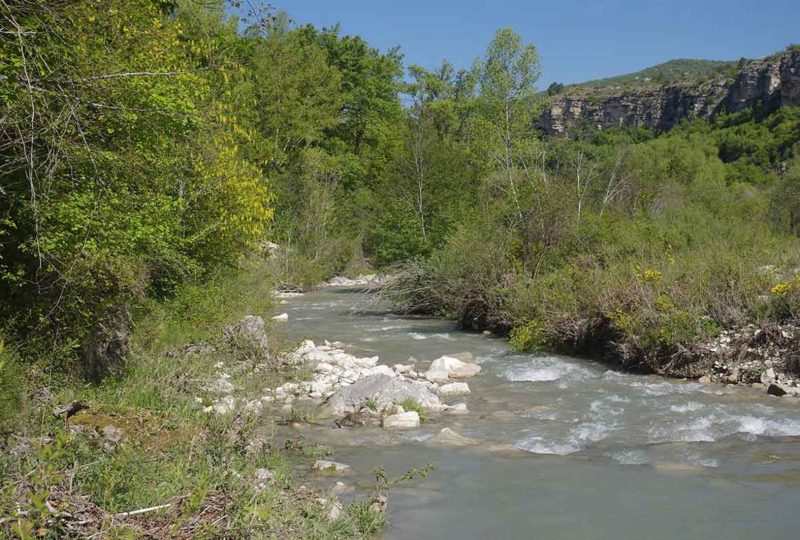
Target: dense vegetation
(149, 149)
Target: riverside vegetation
(151, 147)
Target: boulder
(381, 391)
(405, 420)
(253, 329)
(324, 465)
(283, 317)
(448, 437)
(458, 408)
(221, 385)
(447, 367)
(464, 356)
(224, 405)
(262, 478)
(776, 390)
(454, 389)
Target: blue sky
(578, 40)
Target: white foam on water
(665, 388)
(701, 461)
(608, 405)
(538, 445)
(696, 430)
(417, 336)
(630, 457)
(575, 440)
(689, 406)
(754, 425)
(533, 374)
(712, 427)
(545, 369)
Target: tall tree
(508, 74)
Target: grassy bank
(141, 440)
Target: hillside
(678, 71)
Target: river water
(601, 454)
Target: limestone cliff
(775, 81)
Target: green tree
(507, 75)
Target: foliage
(681, 70)
(135, 181)
(409, 404)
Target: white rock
(448, 437)
(447, 367)
(335, 511)
(286, 294)
(220, 386)
(262, 478)
(380, 370)
(224, 405)
(454, 389)
(325, 465)
(324, 367)
(405, 420)
(458, 408)
(340, 487)
(283, 317)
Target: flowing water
(602, 454)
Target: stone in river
(405, 420)
(454, 389)
(325, 465)
(447, 367)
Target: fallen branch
(143, 510)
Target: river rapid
(599, 454)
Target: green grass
(410, 405)
(171, 452)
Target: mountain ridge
(773, 81)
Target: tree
(508, 75)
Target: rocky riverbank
(348, 390)
(764, 357)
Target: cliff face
(775, 81)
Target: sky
(578, 40)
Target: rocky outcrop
(773, 81)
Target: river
(603, 455)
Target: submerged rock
(454, 389)
(464, 356)
(404, 420)
(458, 408)
(323, 465)
(448, 437)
